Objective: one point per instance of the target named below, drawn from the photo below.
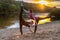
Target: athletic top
(32, 16)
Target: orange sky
(34, 0)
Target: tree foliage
(8, 7)
(55, 14)
(8, 11)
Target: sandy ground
(49, 31)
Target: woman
(32, 16)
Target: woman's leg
(35, 27)
(30, 29)
(36, 23)
(21, 28)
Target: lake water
(15, 25)
(16, 22)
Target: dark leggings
(36, 25)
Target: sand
(49, 31)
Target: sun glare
(44, 21)
(44, 2)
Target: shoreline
(49, 31)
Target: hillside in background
(36, 7)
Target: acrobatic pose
(32, 16)
(36, 19)
(27, 24)
(23, 22)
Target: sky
(26, 0)
(30, 1)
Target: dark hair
(30, 10)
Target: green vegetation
(9, 11)
(55, 14)
(6, 8)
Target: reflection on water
(7, 20)
(44, 21)
(15, 25)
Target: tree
(55, 14)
